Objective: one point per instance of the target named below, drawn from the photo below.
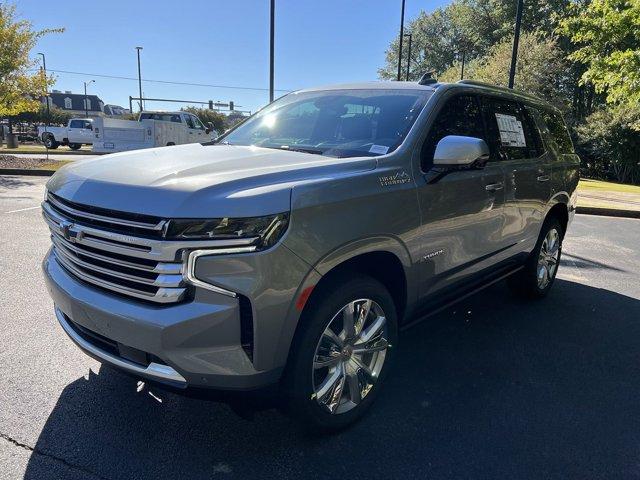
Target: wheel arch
(559, 208)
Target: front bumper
(191, 344)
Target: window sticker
(379, 149)
(511, 132)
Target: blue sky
(215, 42)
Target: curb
(23, 171)
(608, 212)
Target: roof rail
(427, 79)
(499, 88)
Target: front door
(462, 212)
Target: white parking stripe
(23, 209)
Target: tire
(535, 280)
(170, 144)
(50, 142)
(75, 146)
(358, 375)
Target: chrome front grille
(101, 250)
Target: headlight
(265, 230)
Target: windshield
(336, 123)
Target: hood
(194, 180)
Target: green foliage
(607, 36)
(539, 70)
(609, 144)
(56, 116)
(19, 89)
(205, 115)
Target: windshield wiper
(316, 151)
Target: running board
(468, 294)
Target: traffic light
(231, 105)
(210, 104)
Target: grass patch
(602, 186)
(36, 148)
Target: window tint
(76, 124)
(558, 130)
(511, 133)
(189, 120)
(197, 123)
(459, 116)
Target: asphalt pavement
(492, 388)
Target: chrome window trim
(190, 271)
(153, 370)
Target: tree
(606, 34)
(609, 143)
(540, 68)
(20, 90)
(55, 116)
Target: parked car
(153, 129)
(291, 251)
(78, 132)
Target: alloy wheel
(350, 355)
(548, 258)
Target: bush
(609, 144)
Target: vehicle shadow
(13, 182)
(491, 388)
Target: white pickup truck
(78, 132)
(153, 129)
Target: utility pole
(516, 39)
(408, 54)
(86, 109)
(271, 48)
(46, 92)
(462, 69)
(139, 78)
(400, 44)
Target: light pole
(516, 39)
(401, 35)
(86, 109)
(46, 92)
(271, 47)
(139, 79)
(408, 54)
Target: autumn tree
(20, 86)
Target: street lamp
(271, 48)
(401, 35)
(46, 93)
(408, 54)
(139, 78)
(86, 109)
(516, 39)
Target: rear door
(463, 211)
(516, 143)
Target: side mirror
(457, 151)
(209, 128)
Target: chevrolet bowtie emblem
(68, 234)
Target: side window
(76, 124)
(459, 116)
(558, 130)
(189, 121)
(197, 123)
(511, 136)
(87, 125)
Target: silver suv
(291, 250)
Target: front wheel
(50, 142)
(539, 272)
(342, 354)
(75, 146)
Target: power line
(169, 82)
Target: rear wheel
(537, 277)
(342, 353)
(75, 146)
(49, 141)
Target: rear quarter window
(558, 130)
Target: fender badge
(397, 178)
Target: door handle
(544, 178)
(494, 187)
